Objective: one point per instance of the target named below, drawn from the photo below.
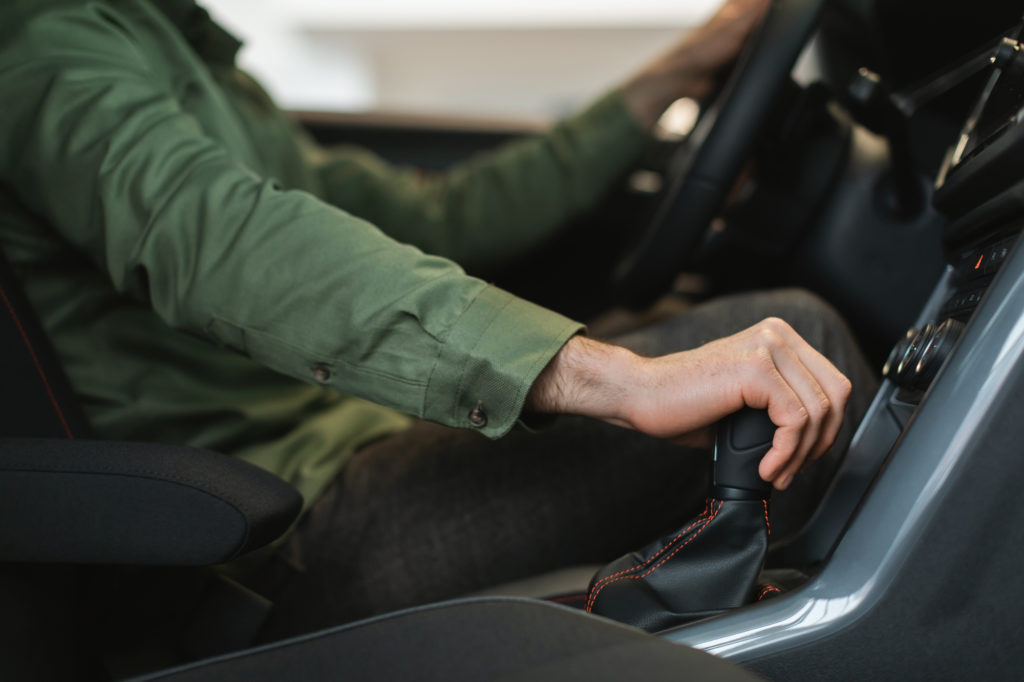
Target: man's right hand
(677, 397)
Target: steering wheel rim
(706, 166)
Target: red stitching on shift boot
(707, 522)
(766, 590)
(35, 361)
(707, 509)
(632, 569)
(692, 538)
(767, 523)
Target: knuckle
(802, 416)
(822, 407)
(767, 336)
(846, 387)
(843, 389)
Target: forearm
(587, 378)
(93, 141)
(487, 210)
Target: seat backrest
(80, 501)
(35, 397)
(42, 602)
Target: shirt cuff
(489, 360)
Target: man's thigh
(434, 513)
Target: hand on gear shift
(712, 563)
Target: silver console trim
(904, 496)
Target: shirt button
(321, 373)
(477, 417)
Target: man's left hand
(690, 68)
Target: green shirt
(208, 276)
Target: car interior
(867, 150)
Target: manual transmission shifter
(743, 440)
(710, 564)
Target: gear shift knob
(744, 438)
(710, 564)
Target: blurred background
(528, 60)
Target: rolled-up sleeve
(92, 139)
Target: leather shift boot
(709, 565)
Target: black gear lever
(744, 438)
(713, 562)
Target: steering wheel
(705, 167)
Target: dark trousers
(435, 513)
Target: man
(154, 200)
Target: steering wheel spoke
(700, 179)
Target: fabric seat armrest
(101, 502)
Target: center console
(920, 539)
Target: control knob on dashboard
(917, 357)
(937, 348)
(896, 354)
(905, 355)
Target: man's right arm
(94, 140)
(767, 366)
(91, 140)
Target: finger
(815, 402)
(835, 385)
(831, 380)
(765, 388)
(719, 40)
(795, 404)
(732, 10)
